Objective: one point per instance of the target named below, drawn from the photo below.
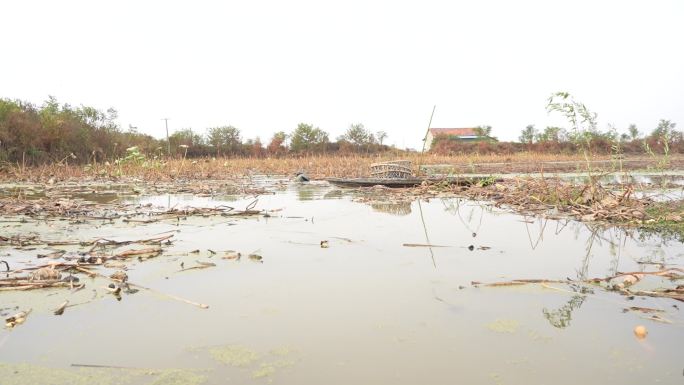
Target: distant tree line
(54, 132)
(305, 139)
(661, 139)
(582, 135)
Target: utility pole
(422, 152)
(428, 129)
(168, 143)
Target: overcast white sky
(265, 66)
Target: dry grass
(586, 202)
(317, 166)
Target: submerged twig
(60, 309)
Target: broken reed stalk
(668, 273)
(622, 288)
(152, 251)
(422, 245)
(176, 298)
(37, 285)
(60, 308)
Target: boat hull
(407, 182)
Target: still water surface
(365, 310)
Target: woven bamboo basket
(396, 169)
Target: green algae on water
(233, 355)
(281, 351)
(179, 377)
(265, 370)
(22, 374)
(504, 326)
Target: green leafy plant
(662, 162)
(582, 121)
(132, 155)
(616, 154)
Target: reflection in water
(367, 284)
(334, 194)
(561, 317)
(427, 238)
(655, 257)
(616, 240)
(584, 267)
(306, 194)
(453, 206)
(599, 240)
(542, 226)
(228, 197)
(393, 208)
(99, 197)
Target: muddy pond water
(376, 306)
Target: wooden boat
(410, 182)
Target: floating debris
(54, 255)
(640, 309)
(300, 176)
(46, 274)
(17, 319)
(422, 245)
(200, 265)
(230, 254)
(60, 309)
(119, 276)
(608, 283)
(113, 289)
(640, 332)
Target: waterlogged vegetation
(665, 219)
(134, 267)
(262, 280)
(260, 365)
